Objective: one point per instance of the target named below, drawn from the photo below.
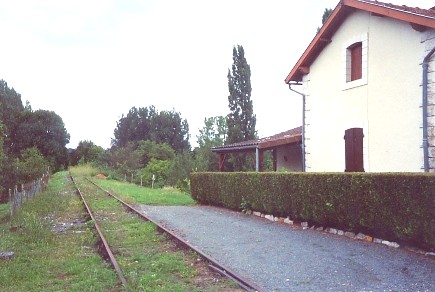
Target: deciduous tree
(149, 124)
(148, 150)
(211, 135)
(86, 152)
(31, 165)
(46, 131)
(11, 108)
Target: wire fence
(24, 192)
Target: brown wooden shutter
(353, 139)
(356, 62)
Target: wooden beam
(222, 157)
(417, 27)
(260, 160)
(304, 69)
(325, 40)
(274, 159)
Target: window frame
(349, 47)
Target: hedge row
(392, 206)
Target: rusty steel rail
(214, 264)
(107, 251)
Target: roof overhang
(418, 20)
(285, 138)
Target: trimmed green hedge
(392, 206)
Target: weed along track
(147, 256)
(104, 247)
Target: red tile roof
(412, 10)
(287, 137)
(420, 19)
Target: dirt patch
(100, 176)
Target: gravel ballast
(282, 257)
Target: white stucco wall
(387, 105)
(289, 158)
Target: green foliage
(31, 165)
(21, 129)
(83, 170)
(4, 210)
(241, 120)
(180, 169)
(2, 156)
(157, 168)
(150, 124)
(183, 185)
(213, 134)
(11, 109)
(86, 152)
(147, 158)
(46, 131)
(396, 206)
(144, 195)
(326, 13)
(125, 160)
(245, 205)
(148, 150)
(69, 260)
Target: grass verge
(141, 195)
(4, 210)
(53, 249)
(149, 261)
(133, 193)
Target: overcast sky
(90, 61)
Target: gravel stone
(283, 257)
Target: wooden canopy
(259, 146)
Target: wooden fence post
(11, 204)
(23, 191)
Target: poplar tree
(241, 119)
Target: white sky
(90, 61)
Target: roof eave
(406, 16)
(232, 149)
(323, 37)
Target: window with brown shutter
(354, 158)
(355, 61)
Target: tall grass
(132, 192)
(52, 261)
(143, 195)
(4, 210)
(148, 260)
(84, 170)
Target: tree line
(147, 142)
(31, 142)
(150, 143)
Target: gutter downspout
(425, 65)
(303, 122)
(257, 163)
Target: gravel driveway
(281, 257)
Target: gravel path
(281, 257)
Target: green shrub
(393, 206)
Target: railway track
(115, 220)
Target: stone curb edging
(352, 235)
